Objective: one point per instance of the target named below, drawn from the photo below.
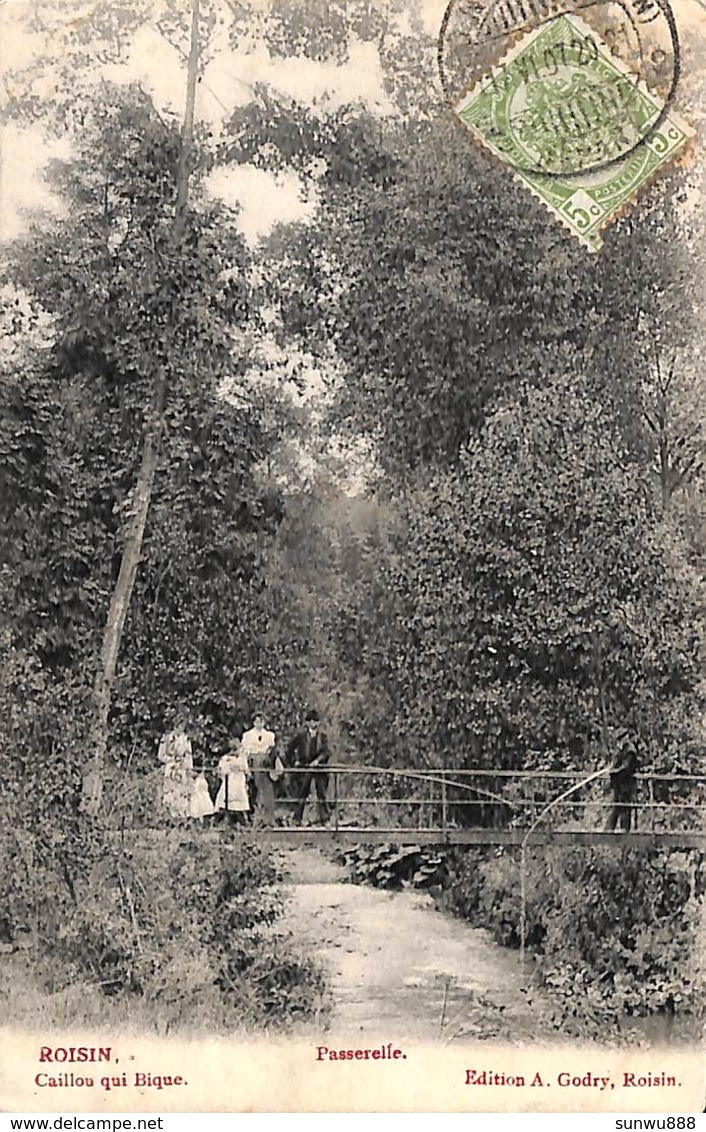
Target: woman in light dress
(175, 752)
(184, 794)
(232, 794)
(259, 747)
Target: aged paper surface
(421, 1009)
(273, 1076)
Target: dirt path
(397, 967)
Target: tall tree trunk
(142, 495)
(664, 472)
(601, 686)
(187, 133)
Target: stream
(396, 966)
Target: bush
(615, 932)
(182, 930)
(391, 866)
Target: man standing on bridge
(308, 752)
(622, 781)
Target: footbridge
(441, 805)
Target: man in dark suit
(622, 781)
(307, 752)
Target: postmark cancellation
(577, 124)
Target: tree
(671, 400)
(117, 293)
(437, 281)
(433, 288)
(532, 597)
(142, 495)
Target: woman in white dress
(175, 752)
(259, 747)
(232, 794)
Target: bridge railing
(439, 798)
(443, 799)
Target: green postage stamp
(575, 124)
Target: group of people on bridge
(255, 773)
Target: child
(232, 794)
(201, 805)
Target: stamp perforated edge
(676, 157)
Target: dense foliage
(97, 304)
(537, 601)
(528, 579)
(615, 932)
(506, 568)
(122, 301)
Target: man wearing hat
(622, 781)
(308, 752)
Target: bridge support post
(523, 906)
(335, 804)
(444, 823)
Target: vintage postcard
(353, 553)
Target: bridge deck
(510, 838)
(399, 836)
